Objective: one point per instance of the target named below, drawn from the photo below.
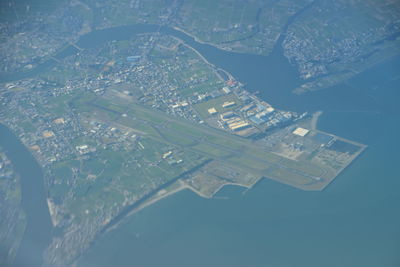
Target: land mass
(328, 42)
(122, 124)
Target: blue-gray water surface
(354, 222)
(37, 235)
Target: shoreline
(314, 120)
(313, 126)
(230, 50)
(196, 39)
(149, 202)
(182, 42)
(162, 194)
(219, 188)
(159, 196)
(216, 68)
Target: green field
(210, 150)
(219, 145)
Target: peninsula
(120, 125)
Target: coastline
(314, 120)
(159, 195)
(162, 194)
(149, 202)
(316, 116)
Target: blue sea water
(354, 222)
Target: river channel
(38, 231)
(358, 109)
